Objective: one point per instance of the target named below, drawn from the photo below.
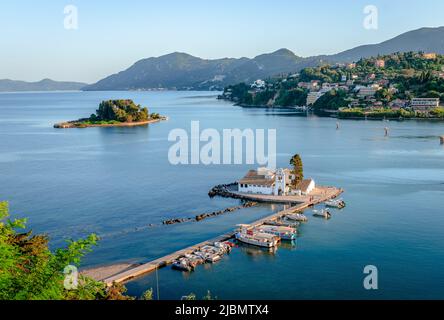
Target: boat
(212, 257)
(195, 259)
(226, 248)
(339, 204)
(283, 223)
(213, 250)
(247, 235)
(211, 254)
(285, 233)
(324, 213)
(182, 265)
(297, 217)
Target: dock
(162, 262)
(320, 195)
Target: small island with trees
(115, 113)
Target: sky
(112, 35)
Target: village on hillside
(401, 85)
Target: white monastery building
(274, 182)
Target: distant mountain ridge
(7, 85)
(182, 71)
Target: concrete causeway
(319, 195)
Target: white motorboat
(247, 235)
(297, 217)
(195, 259)
(339, 204)
(283, 223)
(212, 257)
(324, 213)
(285, 233)
(223, 246)
(182, 265)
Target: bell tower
(280, 183)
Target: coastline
(336, 114)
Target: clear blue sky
(112, 35)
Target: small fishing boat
(247, 235)
(182, 265)
(212, 257)
(223, 246)
(324, 213)
(285, 233)
(200, 254)
(339, 204)
(213, 250)
(283, 223)
(195, 259)
(297, 217)
(208, 255)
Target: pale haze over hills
(182, 71)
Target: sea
(120, 184)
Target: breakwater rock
(224, 190)
(204, 216)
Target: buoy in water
(441, 139)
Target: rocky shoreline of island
(83, 123)
(115, 113)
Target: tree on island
(121, 111)
(298, 169)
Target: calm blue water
(116, 181)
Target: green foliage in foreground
(30, 271)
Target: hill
(7, 85)
(182, 71)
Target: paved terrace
(318, 193)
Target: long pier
(321, 194)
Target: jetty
(298, 204)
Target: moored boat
(339, 204)
(285, 233)
(212, 257)
(297, 217)
(283, 223)
(182, 265)
(247, 235)
(195, 259)
(223, 246)
(324, 213)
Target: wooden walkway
(327, 194)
